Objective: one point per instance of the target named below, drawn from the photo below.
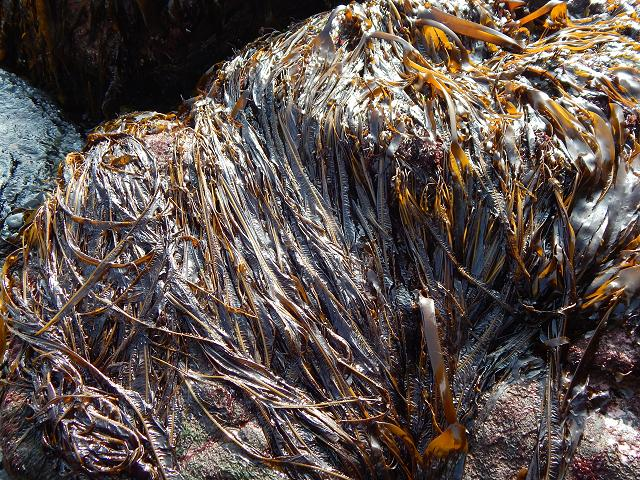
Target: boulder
(101, 57)
(34, 138)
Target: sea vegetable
(293, 241)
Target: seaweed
(343, 234)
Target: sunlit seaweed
(356, 229)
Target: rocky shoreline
(503, 438)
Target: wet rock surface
(505, 434)
(503, 438)
(34, 137)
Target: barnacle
(355, 228)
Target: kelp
(349, 233)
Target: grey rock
(610, 447)
(34, 138)
(14, 221)
(3, 474)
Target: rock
(206, 456)
(505, 433)
(14, 222)
(34, 137)
(242, 313)
(584, 8)
(3, 474)
(99, 57)
(610, 446)
(505, 436)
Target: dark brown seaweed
(336, 197)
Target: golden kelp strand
(557, 10)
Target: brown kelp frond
(358, 227)
(470, 29)
(557, 10)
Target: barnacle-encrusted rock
(360, 227)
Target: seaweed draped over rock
(359, 226)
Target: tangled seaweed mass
(357, 228)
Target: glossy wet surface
(33, 139)
(359, 228)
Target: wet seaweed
(352, 230)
